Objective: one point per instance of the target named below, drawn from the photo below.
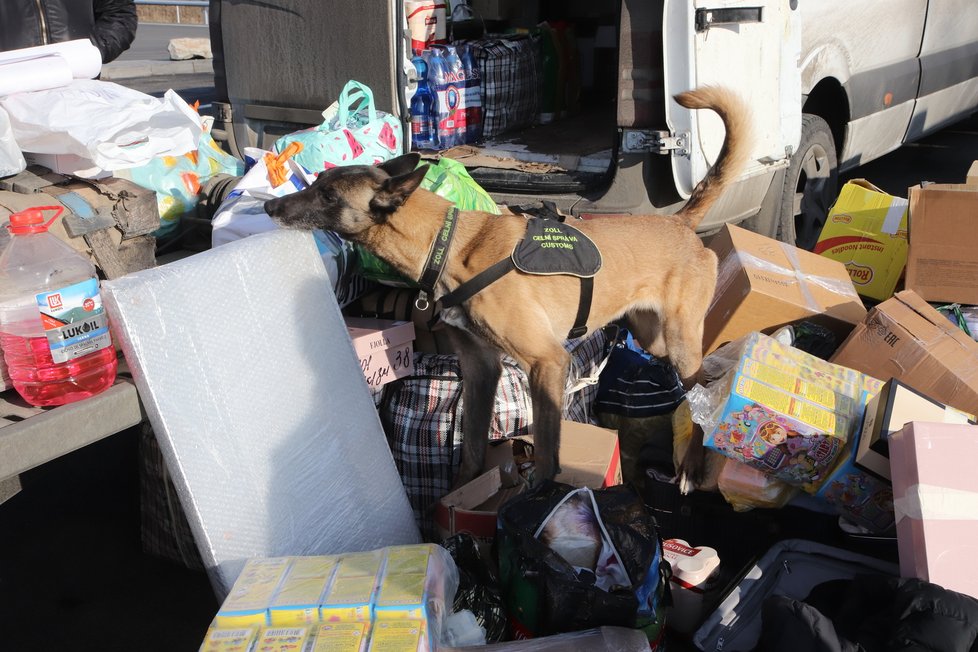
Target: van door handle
(707, 18)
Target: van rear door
(751, 46)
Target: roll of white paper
(83, 58)
(34, 75)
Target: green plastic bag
(449, 179)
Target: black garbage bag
(573, 559)
(478, 586)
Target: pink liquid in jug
(43, 382)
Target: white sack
(113, 126)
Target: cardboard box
(905, 338)
(764, 284)
(384, 347)
(887, 412)
(589, 457)
(866, 230)
(943, 262)
(934, 490)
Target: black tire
(811, 185)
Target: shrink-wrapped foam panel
(249, 379)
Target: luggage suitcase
(792, 567)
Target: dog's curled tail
(733, 156)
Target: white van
(834, 84)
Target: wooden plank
(117, 257)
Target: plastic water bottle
(422, 123)
(53, 330)
(448, 99)
(473, 96)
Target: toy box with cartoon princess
(778, 408)
(853, 492)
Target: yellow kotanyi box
(230, 640)
(399, 636)
(341, 637)
(282, 639)
(352, 593)
(298, 598)
(249, 598)
(866, 231)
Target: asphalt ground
(148, 55)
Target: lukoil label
(74, 321)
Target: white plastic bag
(113, 126)
(11, 159)
(242, 214)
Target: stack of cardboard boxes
(908, 448)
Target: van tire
(811, 185)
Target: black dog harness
(548, 247)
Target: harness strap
(491, 274)
(477, 283)
(583, 308)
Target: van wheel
(811, 185)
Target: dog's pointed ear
(394, 192)
(401, 165)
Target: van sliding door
(948, 66)
(750, 46)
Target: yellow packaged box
(866, 230)
(410, 585)
(779, 409)
(399, 636)
(238, 639)
(248, 601)
(341, 637)
(351, 594)
(301, 592)
(282, 639)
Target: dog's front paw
(692, 469)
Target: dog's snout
(272, 206)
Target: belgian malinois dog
(655, 273)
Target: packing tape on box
(894, 215)
(739, 259)
(932, 502)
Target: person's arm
(115, 27)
